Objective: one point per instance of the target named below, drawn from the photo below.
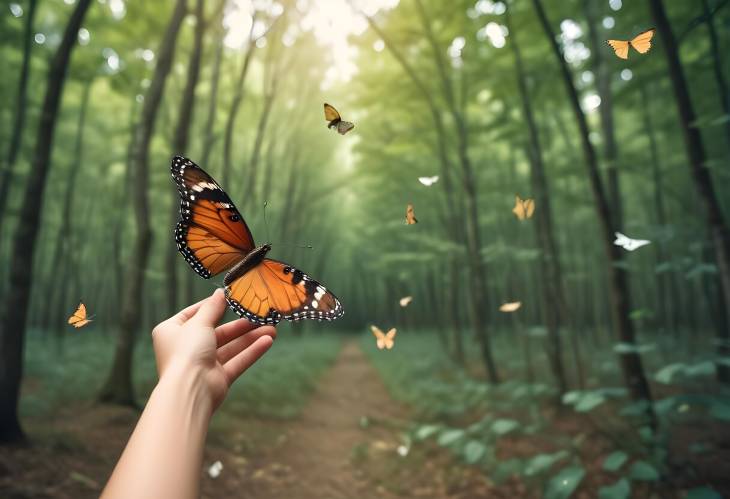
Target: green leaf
(703, 493)
(720, 410)
(570, 398)
(704, 368)
(474, 451)
(589, 401)
(504, 426)
(619, 490)
(627, 348)
(507, 469)
(666, 373)
(448, 437)
(425, 431)
(562, 485)
(542, 462)
(614, 461)
(641, 470)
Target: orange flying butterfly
(214, 238)
(524, 208)
(383, 340)
(641, 43)
(335, 120)
(79, 318)
(410, 215)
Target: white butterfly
(629, 244)
(428, 181)
(215, 469)
(405, 301)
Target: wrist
(187, 383)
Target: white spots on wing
(203, 185)
(319, 293)
(315, 303)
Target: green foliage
(643, 471)
(619, 490)
(615, 460)
(703, 493)
(562, 485)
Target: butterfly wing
(390, 338)
(79, 317)
(211, 235)
(272, 291)
(529, 207)
(621, 240)
(405, 301)
(330, 113)
(344, 126)
(519, 209)
(428, 181)
(379, 337)
(411, 215)
(620, 47)
(642, 41)
(510, 306)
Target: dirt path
(321, 452)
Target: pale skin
(197, 361)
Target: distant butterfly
(79, 318)
(629, 244)
(214, 238)
(215, 469)
(524, 208)
(510, 306)
(405, 301)
(383, 340)
(410, 215)
(428, 181)
(641, 43)
(335, 120)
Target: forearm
(164, 455)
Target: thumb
(212, 309)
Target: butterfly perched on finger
(213, 238)
(641, 43)
(79, 318)
(410, 215)
(335, 120)
(383, 340)
(524, 208)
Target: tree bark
(118, 387)
(700, 174)
(631, 364)
(21, 268)
(180, 146)
(16, 138)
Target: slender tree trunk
(717, 62)
(553, 296)
(478, 292)
(270, 83)
(21, 268)
(180, 146)
(16, 138)
(235, 105)
(63, 237)
(208, 131)
(118, 387)
(701, 177)
(631, 364)
(605, 110)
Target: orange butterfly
(214, 238)
(510, 306)
(335, 120)
(410, 215)
(524, 208)
(383, 340)
(79, 318)
(641, 43)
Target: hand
(190, 343)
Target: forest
(534, 196)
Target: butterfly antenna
(266, 222)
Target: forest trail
(315, 459)
(327, 453)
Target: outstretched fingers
(247, 357)
(242, 342)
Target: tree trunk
(209, 136)
(179, 147)
(631, 364)
(603, 75)
(700, 174)
(118, 387)
(235, 105)
(553, 296)
(717, 62)
(16, 138)
(21, 268)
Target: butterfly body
(213, 238)
(335, 120)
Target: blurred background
(611, 378)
